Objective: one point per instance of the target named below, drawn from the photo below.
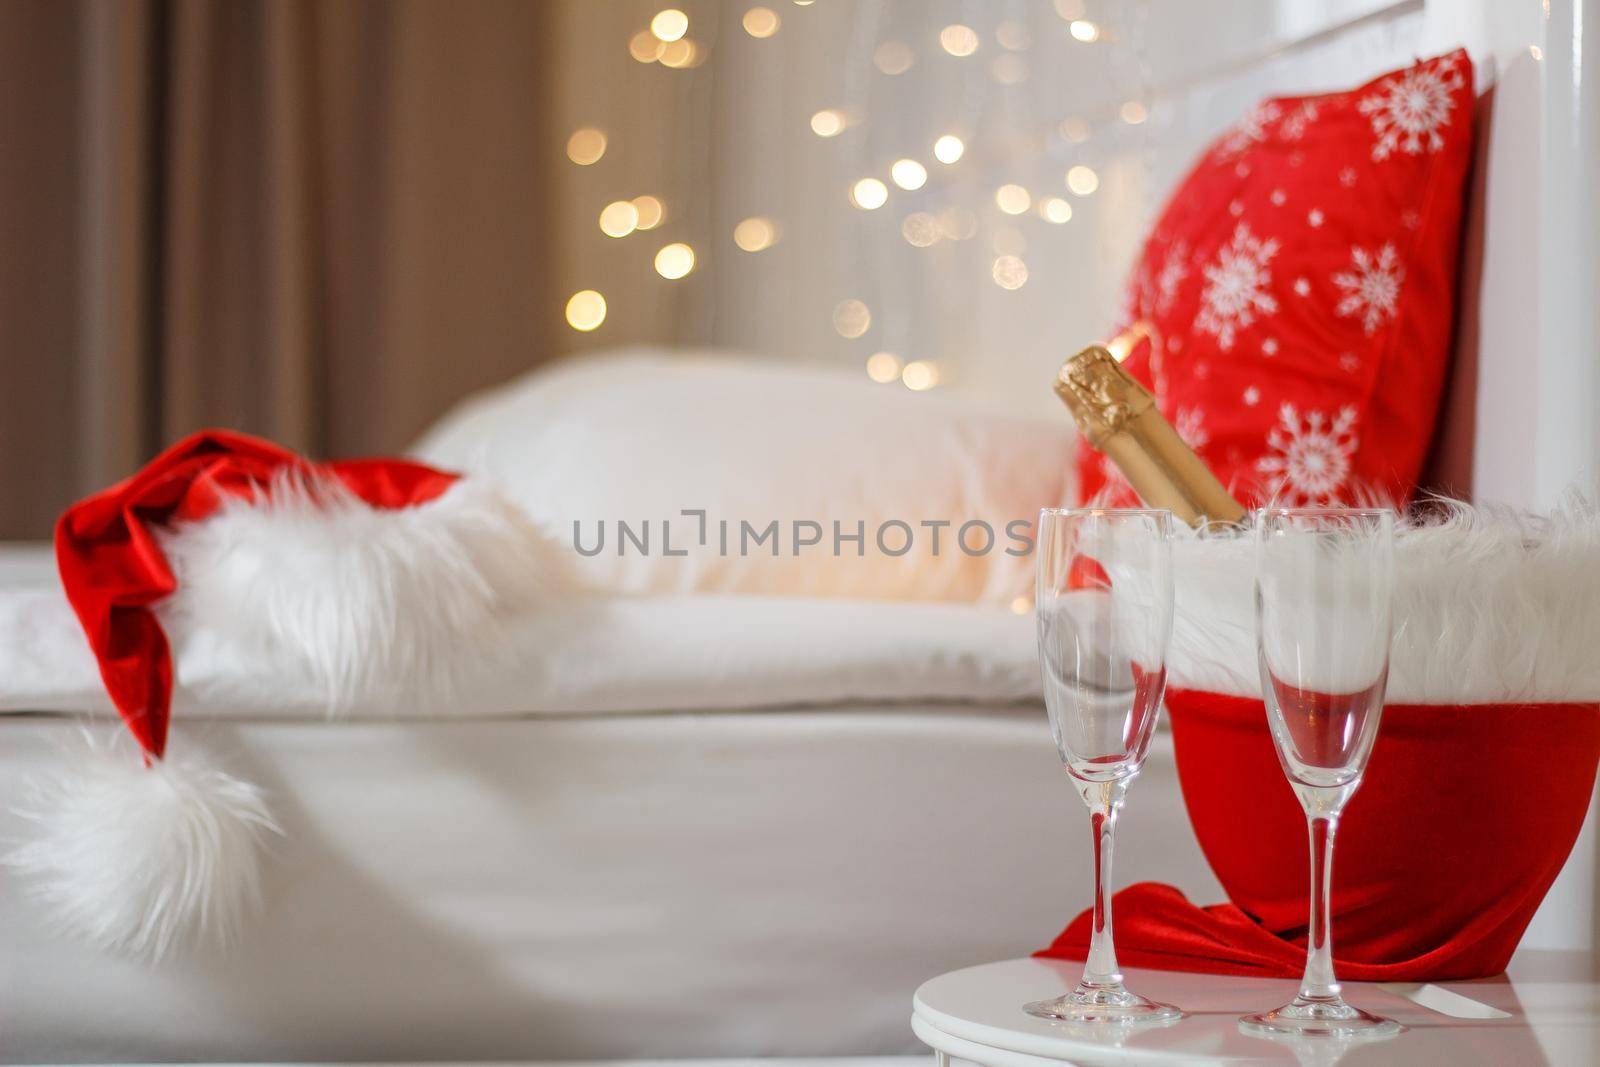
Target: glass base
(1104, 1004)
(1318, 1018)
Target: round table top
(1545, 1010)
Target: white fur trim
(1491, 606)
(374, 605)
(138, 860)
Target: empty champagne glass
(1324, 593)
(1104, 603)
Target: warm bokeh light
(1013, 35)
(680, 54)
(1069, 9)
(586, 310)
(1085, 31)
(869, 194)
(645, 46)
(920, 229)
(674, 261)
(1021, 605)
(586, 146)
(651, 212)
(1009, 68)
(755, 234)
(893, 57)
(1082, 180)
(761, 22)
(1056, 210)
(1133, 112)
(1012, 199)
(959, 40)
(828, 122)
(957, 223)
(619, 218)
(1008, 241)
(883, 367)
(1009, 272)
(670, 24)
(920, 375)
(909, 174)
(949, 148)
(1074, 129)
(851, 318)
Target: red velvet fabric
(1301, 285)
(113, 570)
(1465, 817)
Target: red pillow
(1301, 285)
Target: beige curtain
(320, 222)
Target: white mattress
(597, 876)
(689, 884)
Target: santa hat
(370, 577)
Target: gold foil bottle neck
(1120, 419)
(1102, 396)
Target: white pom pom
(143, 860)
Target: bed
(698, 851)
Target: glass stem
(1100, 969)
(1319, 983)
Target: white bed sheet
(635, 885)
(597, 655)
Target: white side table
(1550, 1003)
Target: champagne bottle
(1119, 418)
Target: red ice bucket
(1464, 819)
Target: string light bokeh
(996, 175)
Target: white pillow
(642, 435)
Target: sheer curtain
(729, 137)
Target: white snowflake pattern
(1294, 127)
(1190, 424)
(1136, 298)
(1410, 109)
(1236, 287)
(1372, 288)
(1310, 458)
(1249, 130)
(1153, 290)
(1174, 269)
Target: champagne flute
(1324, 593)
(1104, 602)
